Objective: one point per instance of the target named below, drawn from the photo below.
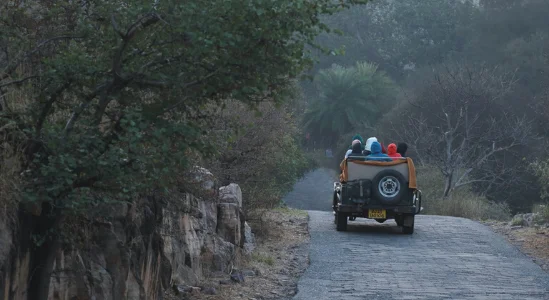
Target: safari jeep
(377, 190)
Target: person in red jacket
(392, 151)
(383, 150)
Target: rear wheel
(341, 221)
(334, 200)
(408, 224)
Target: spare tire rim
(389, 186)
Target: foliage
(116, 92)
(263, 258)
(10, 167)
(261, 154)
(463, 203)
(291, 211)
(415, 42)
(347, 97)
(541, 170)
(400, 36)
(542, 211)
(454, 119)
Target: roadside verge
(273, 269)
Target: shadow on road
(361, 226)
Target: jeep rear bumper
(359, 210)
(391, 211)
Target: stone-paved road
(313, 191)
(446, 258)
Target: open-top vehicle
(377, 190)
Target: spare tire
(389, 186)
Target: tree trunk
(447, 185)
(43, 256)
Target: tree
(262, 154)
(456, 121)
(400, 36)
(347, 97)
(108, 98)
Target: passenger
(383, 150)
(369, 142)
(356, 151)
(353, 146)
(376, 154)
(392, 151)
(402, 148)
(358, 137)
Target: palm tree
(348, 96)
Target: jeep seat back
(360, 171)
(353, 170)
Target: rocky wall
(144, 249)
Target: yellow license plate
(377, 214)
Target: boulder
(249, 239)
(204, 180)
(231, 194)
(209, 291)
(527, 220)
(229, 223)
(237, 277)
(183, 289)
(220, 253)
(248, 273)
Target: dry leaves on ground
(532, 241)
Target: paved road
(313, 191)
(446, 258)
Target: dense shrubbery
(115, 95)
(262, 153)
(463, 203)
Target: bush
(461, 203)
(542, 213)
(259, 151)
(318, 159)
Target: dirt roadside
(274, 267)
(532, 241)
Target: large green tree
(108, 98)
(347, 97)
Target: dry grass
(542, 211)
(263, 258)
(533, 241)
(291, 211)
(536, 242)
(462, 202)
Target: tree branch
(19, 81)
(11, 68)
